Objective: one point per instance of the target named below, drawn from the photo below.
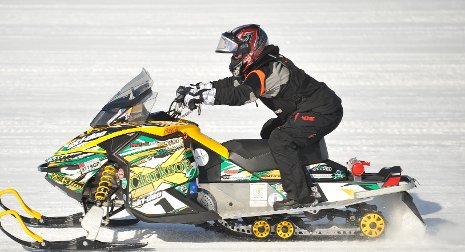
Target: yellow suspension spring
(106, 181)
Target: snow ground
(398, 66)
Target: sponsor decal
(321, 176)
(61, 157)
(146, 143)
(142, 190)
(315, 192)
(124, 183)
(228, 172)
(201, 156)
(258, 191)
(170, 130)
(242, 176)
(231, 172)
(80, 141)
(160, 172)
(339, 175)
(135, 145)
(67, 181)
(320, 167)
(193, 187)
(308, 118)
(144, 200)
(258, 194)
(153, 154)
(271, 175)
(89, 165)
(183, 188)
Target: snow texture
(398, 66)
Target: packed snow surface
(397, 65)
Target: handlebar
(177, 107)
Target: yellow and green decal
(80, 159)
(367, 186)
(233, 172)
(160, 173)
(144, 148)
(69, 183)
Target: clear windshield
(131, 104)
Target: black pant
(287, 139)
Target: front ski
(81, 243)
(70, 221)
(73, 220)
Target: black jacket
(280, 85)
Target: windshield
(131, 104)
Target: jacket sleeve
(251, 88)
(225, 83)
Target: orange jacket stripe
(261, 76)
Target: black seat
(254, 155)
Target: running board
(313, 209)
(359, 197)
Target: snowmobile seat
(254, 155)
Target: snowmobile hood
(89, 141)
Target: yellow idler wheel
(261, 229)
(285, 229)
(372, 225)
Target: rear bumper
(406, 184)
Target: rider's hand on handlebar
(191, 96)
(181, 93)
(200, 86)
(193, 100)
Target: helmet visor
(226, 45)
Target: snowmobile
(160, 168)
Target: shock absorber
(105, 183)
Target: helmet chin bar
(236, 66)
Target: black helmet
(246, 42)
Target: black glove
(193, 100)
(195, 86)
(269, 126)
(181, 93)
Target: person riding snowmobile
(306, 109)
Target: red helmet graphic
(246, 42)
